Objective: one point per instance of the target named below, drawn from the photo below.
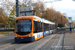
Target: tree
(7, 5)
(11, 22)
(39, 7)
(49, 13)
(60, 25)
(3, 18)
(27, 2)
(13, 15)
(55, 16)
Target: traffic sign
(69, 19)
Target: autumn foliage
(41, 11)
(49, 14)
(3, 18)
(55, 16)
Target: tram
(31, 28)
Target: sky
(64, 6)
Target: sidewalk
(69, 41)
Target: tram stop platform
(69, 41)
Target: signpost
(16, 8)
(26, 11)
(70, 21)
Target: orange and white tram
(31, 28)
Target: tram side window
(51, 27)
(54, 26)
(37, 27)
(46, 27)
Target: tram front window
(23, 26)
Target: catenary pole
(16, 8)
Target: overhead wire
(53, 5)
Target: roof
(41, 19)
(44, 20)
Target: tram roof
(41, 19)
(44, 20)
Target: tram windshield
(23, 26)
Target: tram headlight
(30, 35)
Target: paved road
(6, 38)
(50, 42)
(73, 30)
(69, 41)
(56, 43)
